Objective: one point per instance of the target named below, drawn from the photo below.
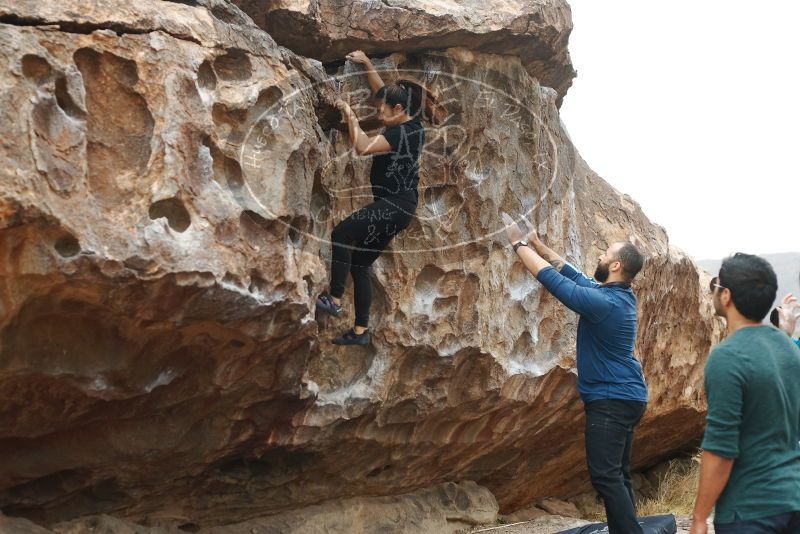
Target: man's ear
(618, 266)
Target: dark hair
(752, 283)
(774, 318)
(631, 260)
(415, 99)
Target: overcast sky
(693, 108)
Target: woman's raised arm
(373, 77)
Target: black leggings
(357, 242)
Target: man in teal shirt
(751, 460)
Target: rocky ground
(553, 524)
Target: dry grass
(676, 491)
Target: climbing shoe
(325, 303)
(351, 338)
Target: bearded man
(610, 379)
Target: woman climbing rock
(358, 240)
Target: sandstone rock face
(536, 31)
(151, 318)
(170, 179)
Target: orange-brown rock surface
(535, 31)
(170, 176)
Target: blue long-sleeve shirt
(607, 368)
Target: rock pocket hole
(328, 116)
(36, 69)
(227, 171)
(258, 284)
(309, 285)
(298, 227)
(189, 527)
(119, 125)
(206, 77)
(229, 123)
(173, 210)
(256, 228)
(65, 101)
(67, 246)
(295, 236)
(268, 98)
(233, 174)
(377, 471)
(320, 205)
(233, 66)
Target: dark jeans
(788, 523)
(357, 242)
(609, 436)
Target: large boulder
(170, 179)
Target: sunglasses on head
(714, 284)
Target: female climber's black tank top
(396, 173)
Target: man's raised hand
(513, 232)
(533, 235)
(543, 250)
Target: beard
(718, 309)
(601, 273)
